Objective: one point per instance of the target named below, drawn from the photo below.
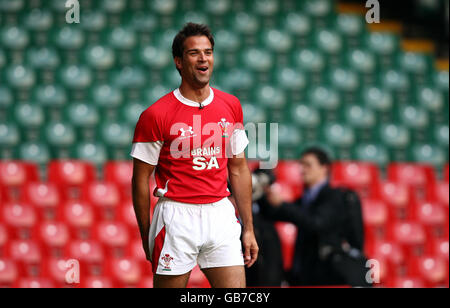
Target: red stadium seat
(56, 269)
(19, 218)
(136, 251)
(70, 175)
(16, 173)
(392, 254)
(433, 217)
(120, 172)
(34, 283)
(13, 175)
(416, 176)
(79, 217)
(375, 216)
(128, 217)
(440, 193)
(433, 270)
(146, 282)
(45, 197)
(288, 193)
(361, 177)
(396, 196)
(289, 172)
(440, 248)
(3, 238)
(125, 271)
(97, 282)
(8, 272)
(198, 279)
(410, 235)
(407, 283)
(90, 255)
(288, 235)
(27, 256)
(114, 237)
(54, 236)
(103, 196)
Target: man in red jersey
(194, 139)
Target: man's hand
(250, 247)
(273, 195)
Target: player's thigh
(171, 281)
(226, 277)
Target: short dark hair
(190, 29)
(320, 154)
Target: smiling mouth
(202, 69)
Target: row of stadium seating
(76, 214)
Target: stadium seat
(126, 215)
(392, 254)
(113, 236)
(6, 98)
(383, 43)
(372, 153)
(27, 255)
(407, 283)
(433, 217)
(97, 282)
(396, 196)
(17, 173)
(83, 115)
(93, 153)
(70, 174)
(120, 173)
(439, 193)
(410, 235)
(359, 176)
(277, 41)
(54, 236)
(45, 197)
(429, 154)
(309, 60)
(430, 99)
(289, 172)
(125, 271)
(344, 79)
(100, 57)
(378, 99)
(413, 62)
(55, 268)
(104, 196)
(440, 248)
(417, 176)
(69, 38)
(431, 269)
(29, 116)
(146, 282)
(39, 20)
(9, 135)
(76, 77)
(20, 218)
(34, 283)
(37, 153)
(8, 272)
(79, 217)
(51, 96)
(3, 238)
(14, 37)
(43, 58)
(288, 235)
(375, 217)
(90, 255)
(106, 96)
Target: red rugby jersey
(190, 146)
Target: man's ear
(178, 63)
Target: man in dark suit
(320, 221)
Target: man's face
(312, 171)
(197, 64)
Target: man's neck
(317, 184)
(195, 94)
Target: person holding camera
(324, 255)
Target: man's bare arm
(141, 199)
(241, 184)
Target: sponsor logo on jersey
(224, 126)
(167, 259)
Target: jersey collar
(188, 102)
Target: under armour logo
(183, 131)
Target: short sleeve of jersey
(238, 140)
(148, 138)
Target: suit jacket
(320, 229)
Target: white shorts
(183, 235)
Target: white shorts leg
(182, 235)
(223, 247)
